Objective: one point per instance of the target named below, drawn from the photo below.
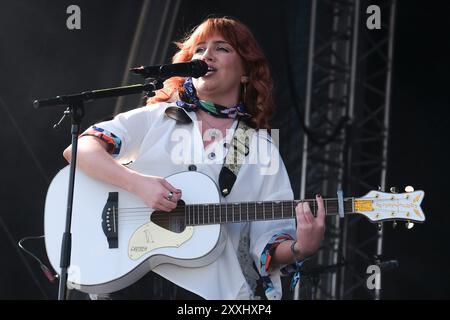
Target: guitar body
(100, 264)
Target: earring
(244, 81)
(245, 91)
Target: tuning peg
(393, 189)
(409, 189)
(409, 225)
(379, 188)
(394, 224)
(380, 226)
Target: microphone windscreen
(199, 68)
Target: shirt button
(212, 155)
(192, 167)
(226, 145)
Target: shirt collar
(178, 114)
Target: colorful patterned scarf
(190, 102)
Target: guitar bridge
(110, 220)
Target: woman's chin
(204, 87)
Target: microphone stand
(75, 108)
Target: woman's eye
(223, 49)
(199, 50)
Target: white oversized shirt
(161, 146)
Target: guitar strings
(197, 211)
(143, 214)
(227, 207)
(266, 202)
(244, 203)
(198, 217)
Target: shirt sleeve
(113, 142)
(275, 186)
(124, 134)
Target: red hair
(258, 99)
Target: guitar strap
(239, 149)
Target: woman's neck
(226, 102)
(209, 122)
(212, 120)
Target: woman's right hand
(155, 192)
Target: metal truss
(345, 145)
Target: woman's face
(222, 83)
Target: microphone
(194, 68)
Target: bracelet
(293, 251)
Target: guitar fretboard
(217, 213)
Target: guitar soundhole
(173, 221)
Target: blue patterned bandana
(190, 102)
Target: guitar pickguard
(151, 236)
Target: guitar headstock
(380, 206)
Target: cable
(21, 256)
(48, 274)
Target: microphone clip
(151, 85)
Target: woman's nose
(207, 55)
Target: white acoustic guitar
(116, 239)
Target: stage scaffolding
(346, 119)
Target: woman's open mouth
(211, 70)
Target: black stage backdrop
(40, 57)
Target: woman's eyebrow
(214, 42)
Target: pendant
(214, 133)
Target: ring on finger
(170, 195)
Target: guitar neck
(217, 213)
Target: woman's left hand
(310, 229)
